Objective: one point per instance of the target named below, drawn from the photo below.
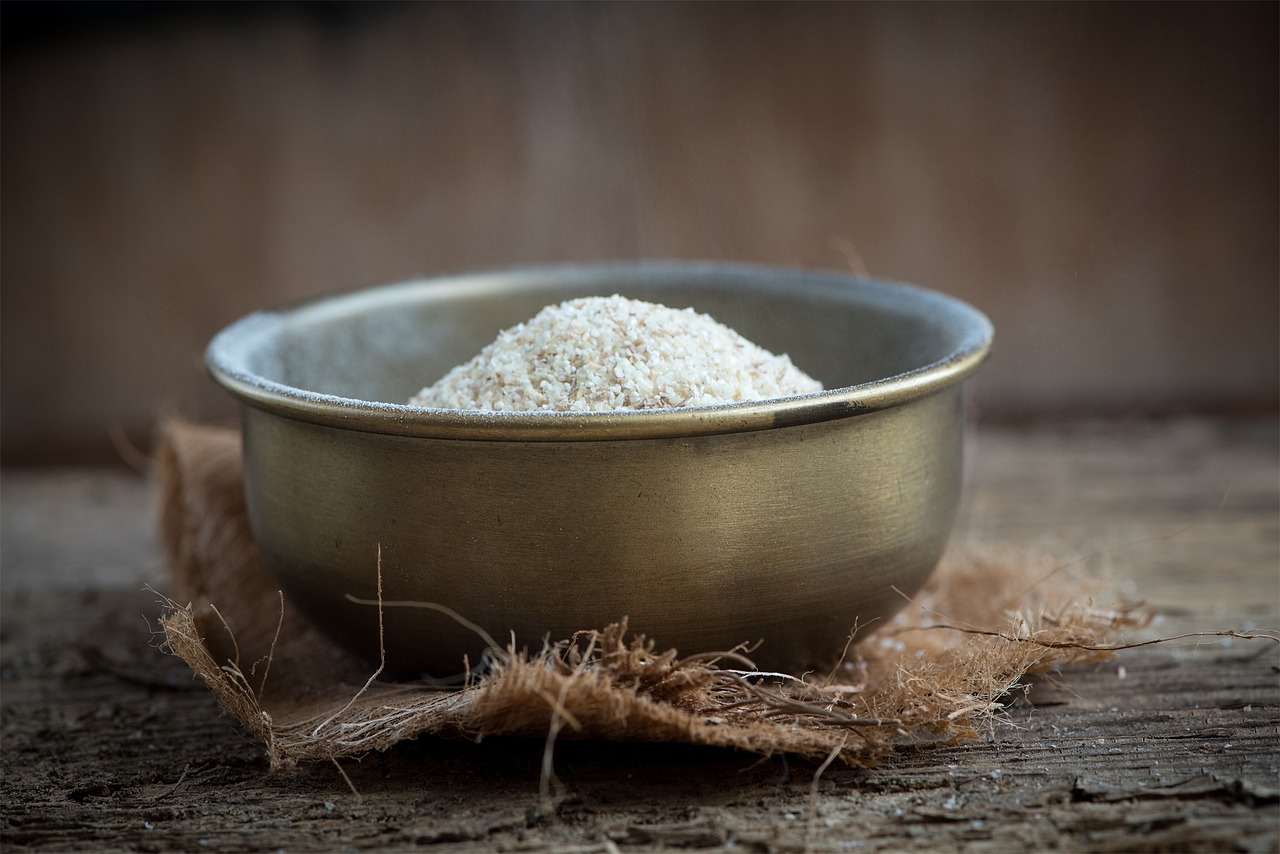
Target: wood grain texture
(1100, 178)
(108, 744)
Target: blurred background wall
(1101, 179)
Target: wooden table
(108, 743)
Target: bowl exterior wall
(789, 536)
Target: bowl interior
(382, 345)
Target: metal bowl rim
(226, 354)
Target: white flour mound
(602, 354)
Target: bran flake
(610, 353)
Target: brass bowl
(786, 522)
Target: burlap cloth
(937, 672)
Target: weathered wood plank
(108, 744)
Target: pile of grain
(610, 353)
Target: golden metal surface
(785, 522)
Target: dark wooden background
(1100, 178)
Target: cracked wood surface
(109, 744)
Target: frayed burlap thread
(936, 672)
